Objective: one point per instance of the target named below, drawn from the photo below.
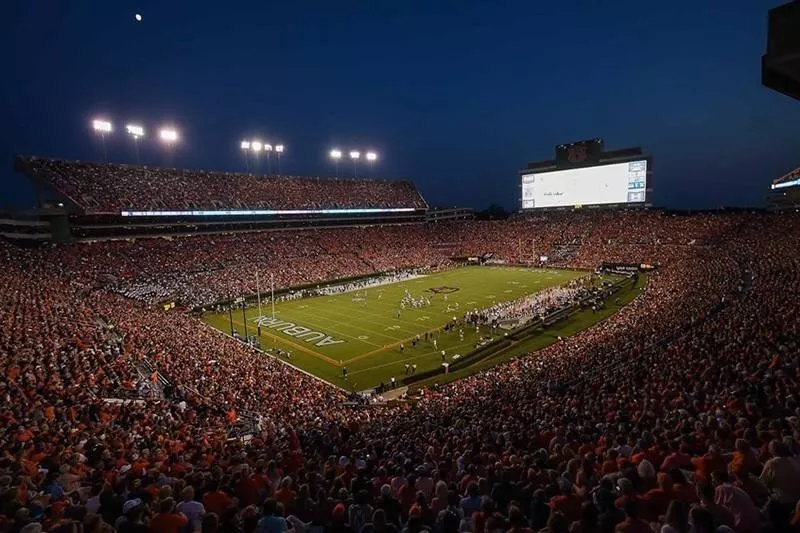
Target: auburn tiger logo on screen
(443, 290)
(577, 154)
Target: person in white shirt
(193, 510)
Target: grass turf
(325, 333)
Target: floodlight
(336, 154)
(279, 148)
(245, 145)
(102, 126)
(372, 156)
(256, 146)
(168, 135)
(135, 130)
(267, 147)
(355, 154)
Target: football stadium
(244, 348)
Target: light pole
(256, 147)
(355, 155)
(268, 149)
(169, 136)
(102, 128)
(136, 131)
(371, 158)
(279, 150)
(336, 155)
(245, 147)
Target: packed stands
(111, 188)
(205, 269)
(678, 413)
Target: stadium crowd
(676, 414)
(112, 188)
(201, 270)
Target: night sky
(456, 95)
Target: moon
(138, 17)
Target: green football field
(362, 331)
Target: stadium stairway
(147, 386)
(247, 424)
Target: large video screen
(619, 183)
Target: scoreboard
(584, 174)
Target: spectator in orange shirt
(676, 459)
(656, 500)
(167, 520)
(681, 488)
(627, 493)
(633, 523)
(285, 494)
(650, 454)
(24, 434)
(744, 459)
(216, 500)
(713, 461)
(246, 490)
(261, 481)
(567, 502)
(408, 493)
(610, 465)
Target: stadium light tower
(268, 149)
(279, 150)
(336, 155)
(245, 145)
(355, 155)
(136, 131)
(256, 147)
(102, 128)
(168, 136)
(371, 158)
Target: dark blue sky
(454, 94)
